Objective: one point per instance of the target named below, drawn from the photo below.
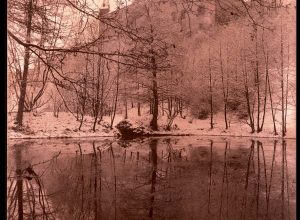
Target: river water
(154, 178)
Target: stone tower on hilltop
(105, 7)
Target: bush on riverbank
(128, 129)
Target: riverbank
(45, 125)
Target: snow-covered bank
(45, 125)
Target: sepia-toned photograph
(151, 109)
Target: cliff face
(195, 16)
(186, 17)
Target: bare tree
(115, 99)
(32, 23)
(210, 90)
(23, 84)
(224, 87)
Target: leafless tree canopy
(94, 58)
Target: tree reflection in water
(213, 180)
(153, 147)
(26, 190)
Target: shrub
(233, 105)
(242, 115)
(128, 130)
(203, 114)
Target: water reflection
(26, 195)
(165, 178)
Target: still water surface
(155, 178)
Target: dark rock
(127, 130)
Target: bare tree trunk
(257, 80)
(83, 97)
(19, 118)
(82, 115)
(251, 123)
(102, 98)
(77, 113)
(224, 89)
(236, 70)
(170, 105)
(264, 107)
(162, 107)
(181, 108)
(266, 82)
(287, 87)
(227, 86)
(139, 109)
(153, 123)
(187, 11)
(282, 83)
(210, 91)
(151, 107)
(171, 118)
(117, 92)
(271, 103)
(97, 101)
(125, 101)
(138, 95)
(126, 110)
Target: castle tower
(105, 7)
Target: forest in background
(176, 58)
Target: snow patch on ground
(45, 125)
